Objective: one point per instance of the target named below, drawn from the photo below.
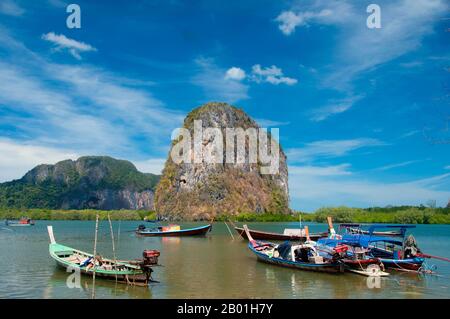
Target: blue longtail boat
(303, 256)
(397, 253)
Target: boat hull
(18, 224)
(326, 268)
(198, 231)
(276, 236)
(132, 274)
(403, 264)
(137, 279)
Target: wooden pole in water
(118, 233)
(229, 230)
(95, 256)
(112, 239)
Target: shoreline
(391, 215)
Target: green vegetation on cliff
(205, 190)
(85, 214)
(77, 184)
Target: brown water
(215, 266)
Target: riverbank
(85, 214)
(395, 215)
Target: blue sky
(363, 113)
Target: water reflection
(103, 288)
(214, 266)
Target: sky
(363, 113)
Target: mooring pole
(229, 230)
(112, 239)
(95, 256)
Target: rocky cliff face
(203, 188)
(96, 182)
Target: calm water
(211, 267)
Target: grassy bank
(394, 215)
(398, 215)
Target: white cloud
(335, 170)
(154, 165)
(396, 165)
(405, 23)
(82, 108)
(270, 123)
(235, 73)
(10, 7)
(289, 20)
(211, 78)
(58, 3)
(53, 116)
(329, 149)
(74, 47)
(315, 187)
(272, 74)
(23, 156)
(335, 107)
(410, 133)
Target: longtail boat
(135, 272)
(394, 253)
(303, 256)
(23, 222)
(289, 234)
(172, 231)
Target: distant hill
(97, 182)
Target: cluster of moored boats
(371, 250)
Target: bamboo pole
(229, 230)
(95, 256)
(112, 239)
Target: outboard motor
(141, 227)
(410, 247)
(150, 258)
(340, 251)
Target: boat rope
(229, 230)
(95, 256)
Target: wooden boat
(23, 222)
(137, 272)
(172, 230)
(302, 256)
(394, 253)
(256, 234)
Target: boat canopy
(402, 228)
